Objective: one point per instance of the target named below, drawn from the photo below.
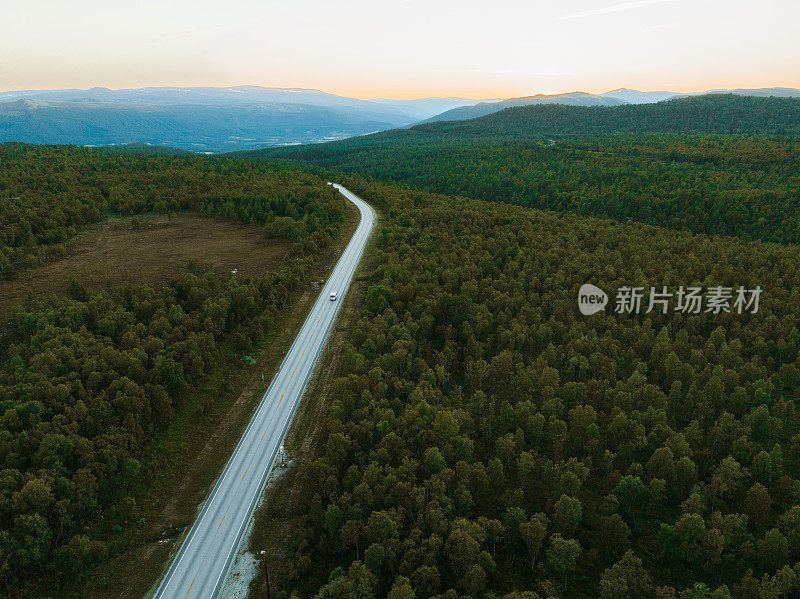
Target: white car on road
(333, 296)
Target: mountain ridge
(199, 128)
(222, 119)
(619, 96)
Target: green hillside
(721, 114)
(712, 164)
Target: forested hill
(682, 164)
(722, 114)
(725, 114)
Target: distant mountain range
(197, 127)
(427, 107)
(617, 97)
(483, 108)
(232, 96)
(211, 119)
(203, 119)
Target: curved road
(208, 550)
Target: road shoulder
(273, 519)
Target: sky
(402, 48)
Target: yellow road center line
(190, 586)
(262, 436)
(221, 521)
(245, 471)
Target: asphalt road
(208, 550)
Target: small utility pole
(266, 576)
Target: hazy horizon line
(421, 95)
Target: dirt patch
(149, 249)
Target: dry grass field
(151, 249)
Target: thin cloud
(624, 6)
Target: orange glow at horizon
(405, 49)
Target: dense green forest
(485, 440)
(87, 380)
(715, 181)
